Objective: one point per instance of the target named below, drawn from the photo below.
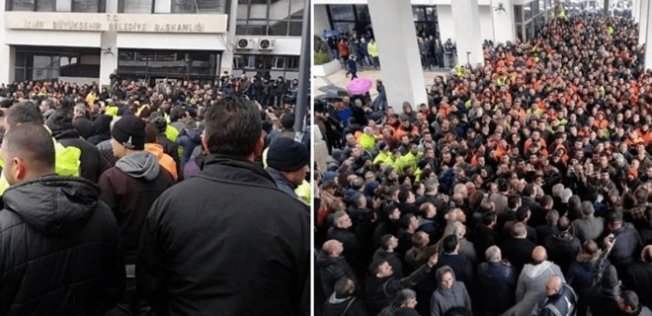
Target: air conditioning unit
(245, 43)
(265, 44)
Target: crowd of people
(523, 186)
(357, 50)
(165, 199)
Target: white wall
(51, 38)
(486, 23)
(210, 42)
(445, 16)
(321, 19)
(4, 50)
(64, 5)
(162, 6)
(108, 62)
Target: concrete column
(108, 61)
(163, 6)
(647, 14)
(7, 72)
(606, 7)
(111, 6)
(466, 21)
(636, 10)
(398, 52)
(64, 5)
(503, 21)
(643, 21)
(226, 62)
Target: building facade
(86, 41)
(499, 20)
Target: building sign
(122, 23)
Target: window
(267, 66)
(32, 5)
(149, 64)
(199, 6)
(269, 17)
(347, 19)
(518, 13)
(41, 65)
(89, 5)
(425, 20)
(136, 6)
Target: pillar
(226, 61)
(162, 6)
(647, 34)
(636, 10)
(466, 21)
(642, 21)
(398, 52)
(503, 21)
(7, 53)
(108, 59)
(64, 6)
(606, 7)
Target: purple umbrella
(359, 85)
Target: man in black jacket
(92, 162)
(382, 284)
(227, 241)
(59, 242)
(332, 265)
(496, 277)
(130, 188)
(343, 301)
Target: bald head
(333, 248)
(646, 254)
(539, 254)
(553, 285)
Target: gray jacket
(589, 228)
(530, 288)
(444, 299)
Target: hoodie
(60, 249)
(92, 162)
(444, 299)
(130, 188)
(139, 165)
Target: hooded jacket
(60, 249)
(444, 299)
(92, 163)
(130, 188)
(226, 242)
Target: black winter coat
(226, 242)
(381, 291)
(337, 307)
(331, 270)
(60, 249)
